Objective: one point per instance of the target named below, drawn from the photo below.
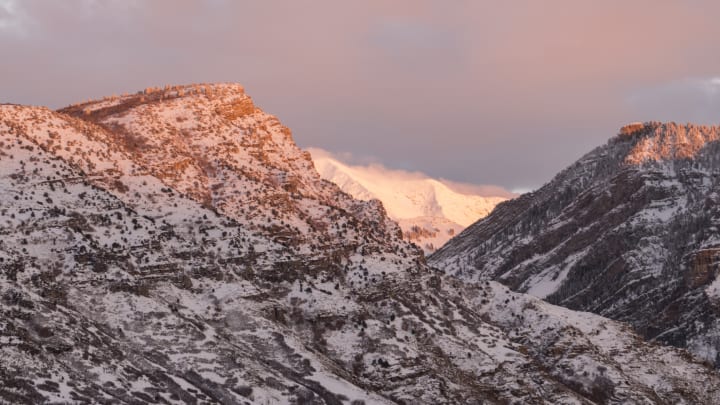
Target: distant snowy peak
(429, 211)
(406, 195)
(331, 171)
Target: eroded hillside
(175, 246)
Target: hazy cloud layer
(379, 170)
(485, 92)
(690, 99)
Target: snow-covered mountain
(429, 211)
(630, 232)
(175, 246)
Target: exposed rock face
(630, 232)
(702, 268)
(662, 142)
(154, 250)
(631, 128)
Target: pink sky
(485, 92)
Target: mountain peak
(429, 211)
(628, 231)
(231, 100)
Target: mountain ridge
(621, 232)
(172, 252)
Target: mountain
(630, 232)
(429, 211)
(176, 246)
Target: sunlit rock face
(661, 142)
(629, 231)
(175, 246)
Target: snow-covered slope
(429, 211)
(630, 231)
(175, 246)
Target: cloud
(692, 99)
(12, 21)
(380, 171)
(486, 190)
(368, 165)
(345, 157)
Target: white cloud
(379, 171)
(713, 84)
(523, 190)
(12, 21)
(694, 99)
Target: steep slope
(628, 232)
(96, 283)
(248, 279)
(428, 210)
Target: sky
(485, 92)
